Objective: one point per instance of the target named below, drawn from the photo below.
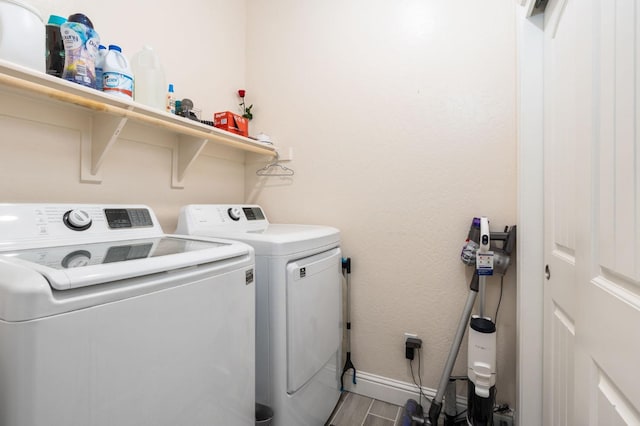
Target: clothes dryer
(298, 307)
(105, 320)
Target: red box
(231, 123)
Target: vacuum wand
(436, 404)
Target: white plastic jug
(22, 34)
(102, 53)
(149, 88)
(117, 78)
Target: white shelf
(111, 114)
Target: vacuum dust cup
(481, 369)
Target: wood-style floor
(358, 410)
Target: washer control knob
(77, 219)
(76, 259)
(234, 213)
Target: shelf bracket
(184, 154)
(97, 141)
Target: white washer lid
(280, 239)
(73, 266)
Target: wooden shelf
(111, 114)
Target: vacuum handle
(510, 243)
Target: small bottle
(55, 46)
(116, 73)
(102, 53)
(171, 100)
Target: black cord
(419, 369)
(414, 381)
(419, 386)
(495, 318)
(420, 376)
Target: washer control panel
(46, 224)
(128, 218)
(80, 220)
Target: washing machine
(298, 307)
(105, 320)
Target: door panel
(562, 366)
(618, 207)
(561, 144)
(592, 213)
(313, 315)
(611, 309)
(612, 407)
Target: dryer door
(313, 315)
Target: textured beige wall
(402, 120)
(401, 116)
(40, 143)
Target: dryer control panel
(221, 216)
(250, 213)
(253, 213)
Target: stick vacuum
(481, 358)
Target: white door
(592, 213)
(562, 123)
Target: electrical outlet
(411, 342)
(409, 335)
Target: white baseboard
(398, 392)
(389, 390)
